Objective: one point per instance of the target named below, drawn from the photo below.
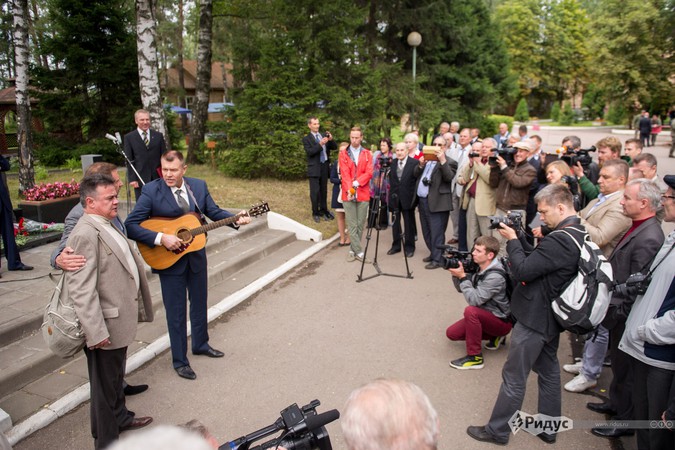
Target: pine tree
(522, 114)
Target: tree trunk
(200, 109)
(23, 117)
(182, 102)
(148, 74)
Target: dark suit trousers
(621, 388)
(7, 230)
(174, 295)
(405, 234)
(318, 190)
(107, 409)
(651, 394)
(433, 228)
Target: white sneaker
(362, 258)
(573, 368)
(580, 383)
(351, 257)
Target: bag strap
(562, 230)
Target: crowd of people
(464, 186)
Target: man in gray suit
(110, 294)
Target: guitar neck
(213, 225)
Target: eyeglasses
(668, 196)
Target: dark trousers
(405, 234)
(174, 295)
(651, 393)
(462, 231)
(621, 388)
(107, 408)
(433, 228)
(8, 241)
(530, 351)
(318, 190)
(644, 138)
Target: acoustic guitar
(190, 230)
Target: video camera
(512, 219)
(452, 257)
(572, 157)
(385, 161)
(635, 285)
(302, 429)
(573, 186)
(505, 152)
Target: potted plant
(50, 202)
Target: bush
(52, 151)
(490, 124)
(617, 114)
(567, 115)
(522, 114)
(555, 112)
(103, 147)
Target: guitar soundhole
(184, 235)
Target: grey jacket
(486, 289)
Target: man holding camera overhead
(488, 313)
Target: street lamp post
(414, 40)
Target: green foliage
(51, 150)
(174, 135)
(74, 163)
(617, 114)
(555, 112)
(489, 125)
(594, 100)
(41, 173)
(103, 147)
(522, 114)
(567, 115)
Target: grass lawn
(289, 198)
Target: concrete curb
(80, 395)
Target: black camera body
(506, 153)
(636, 284)
(581, 156)
(302, 429)
(512, 220)
(452, 257)
(385, 161)
(426, 181)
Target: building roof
(190, 75)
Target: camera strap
(649, 274)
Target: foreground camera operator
(487, 316)
(540, 276)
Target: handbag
(61, 329)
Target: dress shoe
(427, 259)
(548, 438)
(432, 265)
(602, 408)
(211, 353)
(612, 432)
(317, 219)
(133, 390)
(453, 242)
(138, 422)
(22, 267)
(409, 254)
(393, 251)
(186, 372)
(329, 216)
(481, 434)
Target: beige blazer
(486, 202)
(104, 291)
(607, 223)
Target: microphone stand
(117, 140)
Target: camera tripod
(374, 219)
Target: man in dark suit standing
(402, 200)
(174, 196)
(143, 147)
(318, 147)
(7, 224)
(110, 294)
(634, 253)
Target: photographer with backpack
(488, 313)
(540, 273)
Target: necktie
(181, 201)
(322, 157)
(146, 141)
(399, 171)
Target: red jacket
(361, 172)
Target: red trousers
(478, 324)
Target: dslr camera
(635, 285)
(452, 257)
(505, 152)
(385, 161)
(582, 156)
(512, 220)
(301, 429)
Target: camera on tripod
(512, 220)
(302, 429)
(385, 161)
(572, 157)
(452, 257)
(636, 284)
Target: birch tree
(200, 109)
(148, 74)
(23, 116)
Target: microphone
(313, 422)
(112, 138)
(119, 138)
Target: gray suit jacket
(104, 291)
(606, 223)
